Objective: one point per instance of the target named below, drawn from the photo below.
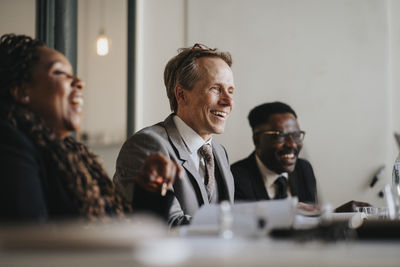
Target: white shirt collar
(268, 175)
(192, 140)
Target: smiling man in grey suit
(200, 86)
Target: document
(248, 218)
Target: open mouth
(221, 114)
(288, 157)
(77, 103)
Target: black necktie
(281, 187)
(209, 180)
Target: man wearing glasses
(273, 170)
(199, 83)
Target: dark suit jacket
(30, 187)
(249, 184)
(189, 192)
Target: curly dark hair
(183, 69)
(18, 53)
(82, 175)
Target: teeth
(288, 156)
(219, 113)
(77, 101)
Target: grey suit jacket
(189, 192)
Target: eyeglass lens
(283, 137)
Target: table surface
(214, 251)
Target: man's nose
(226, 98)
(289, 141)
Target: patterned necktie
(281, 188)
(209, 179)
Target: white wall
(105, 77)
(104, 118)
(330, 60)
(160, 28)
(335, 61)
(17, 17)
(394, 22)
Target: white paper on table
(248, 217)
(305, 222)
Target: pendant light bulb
(102, 44)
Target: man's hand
(308, 209)
(159, 173)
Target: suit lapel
(227, 178)
(293, 179)
(186, 162)
(256, 179)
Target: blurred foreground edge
(368, 230)
(81, 235)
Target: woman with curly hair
(45, 173)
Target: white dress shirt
(270, 177)
(193, 142)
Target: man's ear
(256, 140)
(20, 95)
(179, 94)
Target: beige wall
(104, 116)
(161, 26)
(17, 17)
(329, 61)
(335, 61)
(394, 56)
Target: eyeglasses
(200, 48)
(195, 49)
(281, 137)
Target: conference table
(146, 243)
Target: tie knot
(206, 152)
(281, 181)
